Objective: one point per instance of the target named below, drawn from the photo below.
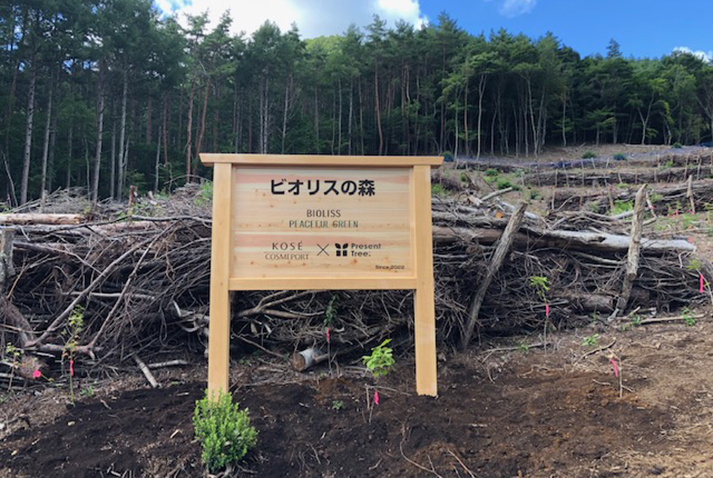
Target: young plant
(337, 405)
(74, 330)
(541, 285)
(381, 360)
(223, 430)
(591, 341)
(688, 318)
(589, 155)
(13, 354)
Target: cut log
(501, 251)
(30, 219)
(567, 240)
(303, 360)
(632, 262)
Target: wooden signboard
(292, 222)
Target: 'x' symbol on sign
(322, 250)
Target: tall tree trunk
(482, 83)
(165, 130)
(46, 147)
(70, 146)
(100, 134)
(201, 130)
(378, 109)
(284, 116)
(122, 134)
(339, 136)
(351, 111)
(112, 172)
(28, 132)
(53, 150)
(189, 131)
(156, 164)
(148, 119)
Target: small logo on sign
(323, 249)
(341, 249)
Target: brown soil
(499, 414)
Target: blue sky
(644, 28)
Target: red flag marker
(376, 397)
(702, 281)
(615, 367)
(547, 310)
(71, 368)
(327, 334)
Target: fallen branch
(147, 373)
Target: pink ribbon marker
(71, 368)
(547, 310)
(615, 367)
(376, 397)
(36, 374)
(327, 334)
(702, 281)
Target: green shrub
(677, 145)
(619, 157)
(205, 194)
(464, 178)
(381, 360)
(447, 156)
(621, 206)
(667, 165)
(503, 183)
(223, 430)
(438, 190)
(491, 173)
(589, 155)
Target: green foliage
(503, 183)
(591, 341)
(447, 156)
(620, 157)
(438, 190)
(667, 165)
(622, 206)
(677, 145)
(330, 313)
(655, 198)
(381, 360)
(491, 173)
(205, 194)
(589, 155)
(688, 318)
(534, 194)
(87, 392)
(464, 177)
(337, 405)
(223, 430)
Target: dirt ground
(507, 410)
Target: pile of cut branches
(140, 279)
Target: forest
(104, 94)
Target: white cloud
(513, 8)
(313, 17)
(703, 55)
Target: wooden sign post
(321, 222)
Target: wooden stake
(689, 194)
(424, 301)
(632, 263)
(219, 326)
(501, 250)
(145, 370)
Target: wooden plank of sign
(424, 301)
(210, 159)
(296, 235)
(331, 283)
(219, 340)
